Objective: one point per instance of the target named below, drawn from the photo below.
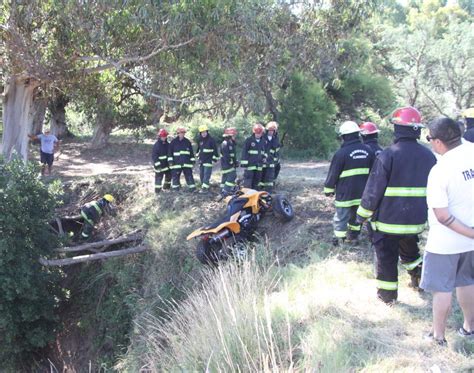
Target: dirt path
(77, 160)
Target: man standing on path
(49, 144)
(448, 261)
(369, 132)
(181, 159)
(254, 157)
(229, 161)
(346, 179)
(207, 155)
(159, 157)
(395, 201)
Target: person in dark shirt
(346, 179)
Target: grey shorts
(444, 273)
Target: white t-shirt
(47, 143)
(451, 185)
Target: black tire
(205, 253)
(282, 208)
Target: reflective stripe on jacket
(180, 154)
(207, 151)
(228, 156)
(253, 153)
(348, 173)
(159, 156)
(395, 195)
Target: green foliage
(361, 90)
(30, 292)
(307, 115)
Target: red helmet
(368, 128)
(257, 129)
(162, 133)
(407, 116)
(181, 130)
(230, 131)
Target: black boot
(387, 296)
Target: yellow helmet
(203, 128)
(468, 113)
(109, 198)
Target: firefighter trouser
(252, 178)
(228, 180)
(188, 175)
(277, 170)
(345, 225)
(268, 176)
(87, 227)
(387, 250)
(162, 180)
(205, 172)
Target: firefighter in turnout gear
(93, 211)
(395, 201)
(181, 159)
(253, 157)
(207, 155)
(159, 157)
(272, 150)
(228, 161)
(347, 176)
(369, 132)
(468, 115)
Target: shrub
(29, 292)
(306, 116)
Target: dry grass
(321, 315)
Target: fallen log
(92, 245)
(91, 257)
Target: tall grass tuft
(228, 324)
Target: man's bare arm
(447, 219)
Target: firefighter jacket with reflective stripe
(159, 156)
(395, 196)
(348, 173)
(92, 211)
(180, 154)
(253, 153)
(207, 151)
(469, 134)
(228, 157)
(272, 150)
(374, 145)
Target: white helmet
(348, 127)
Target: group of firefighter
(260, 159)
(387, 188)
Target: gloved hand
(236, 164)
(329, 194)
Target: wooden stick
(90, 257)
(88, 246)
(60, 226)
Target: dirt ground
(76, 160)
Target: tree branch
(91, 257)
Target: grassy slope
(299, 305)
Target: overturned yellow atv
(227, 236)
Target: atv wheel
(282, 208)
(205, 253)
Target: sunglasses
(429, 138)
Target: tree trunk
(39, 103)
(57, 108)
(18, 114)
(101, 135)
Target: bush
(306, 114)
(29, 292)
